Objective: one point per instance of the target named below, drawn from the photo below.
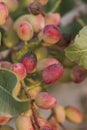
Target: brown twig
(32, 105)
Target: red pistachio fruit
(77, 74)
(25, 31)
(73, 115)
(19, 69)
(52, 73)
(45, 100)
(3, 13)
(29, 60)
(50, 34)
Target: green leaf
(9, 103)
(78, 50)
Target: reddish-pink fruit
(50, 34)
(4, 119)
(37, 22)
(46, 62)
(52, 18)
(5, 64)
(52, 73)
(45, 100)
(25, 31)
(43, 2)
(3, 13)
(77, 74)
(73, 115)
(29, 60)
(19, 69)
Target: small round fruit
(73, 115)
(24, 123)
(52, 18)
(29, 60)
(52, 73)
(37, 22)
(59, 113)
(25, 31)
(45, 100)
(12, 4)
(50, 34)
(19, 69)
(3, 13)
(4, 119)
(77, 74)
(5, 64)
(19, 20)
(35, 8)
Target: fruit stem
(27, 47)
(32, 104)
(56, 6)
